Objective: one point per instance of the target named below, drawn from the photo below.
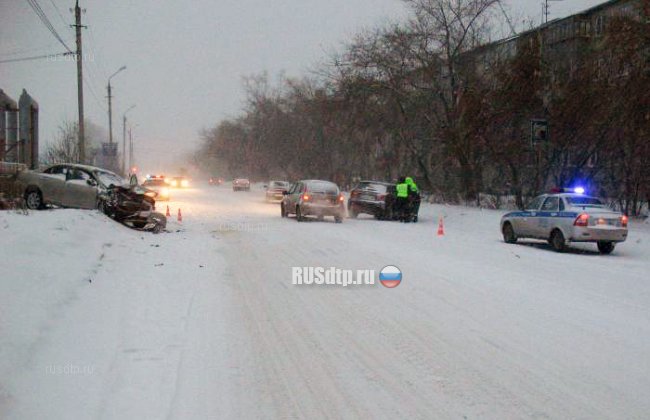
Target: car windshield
(322, 187)
(108, 178)
(585, 202)
(278, 184)
(373, 187)
(154, 183)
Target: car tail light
(305, 197)
(624, 221)
(582, 220)
(341, 198)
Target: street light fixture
(124, 138)
(110, 111)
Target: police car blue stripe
(542, 214)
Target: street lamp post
(124, 139)
(131, 146)
(110, 110)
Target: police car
(566, 216)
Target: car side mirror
(91, 182)
(133, 180)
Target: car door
(548, 214)
(524, 221)
(291, 198)
(52, 184)
(80, 190)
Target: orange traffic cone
(180, 216)
(441, 228)
(168, 214)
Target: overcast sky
(185, 59)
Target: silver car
(67, 185)
(561, 218)
(313, 198)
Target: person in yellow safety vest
(414, 199)
(402, 192)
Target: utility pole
(130, 150)
(546, 11)
(110, 114)
(110, 110)
(80, 86)
(124, 139)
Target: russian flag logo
(390, 276)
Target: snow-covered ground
(100, 321)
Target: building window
(600, 26)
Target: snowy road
(99, 321)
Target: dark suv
(313, 198)
(372, 197)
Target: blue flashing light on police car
(579, 190)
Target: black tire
(139, 225)
(34, 199)
(283, 213)
(557, 240)
(321, 218)
(508, 232)
(605, 247)
(101, 206)
(299, 216)
(338, 219)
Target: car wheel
(299, 216)
(321, 218)
(338, 219)
(557, 240)
(139, 225)
(34, 199)
(509, 236)
(606, 247)
(283, 213)
(101, 206)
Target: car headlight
(185, 183)
(151, 194)
(164, 191)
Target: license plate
(367, 197)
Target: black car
(373, 197)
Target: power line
(44, 19)
(35, 50)
(36, 57)
(92, 46)
(59, 13)
(94, 94)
